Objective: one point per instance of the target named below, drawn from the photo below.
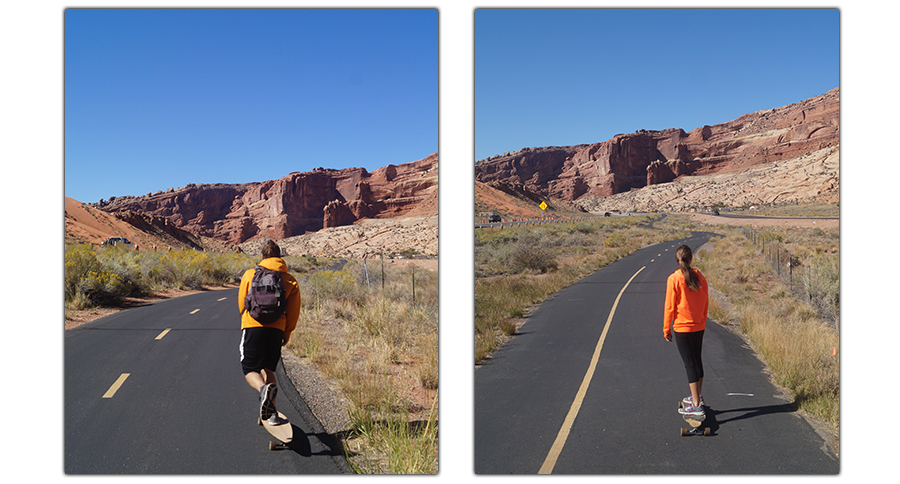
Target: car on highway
(116, 241)
(494, 218)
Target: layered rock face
(292, 205)
(644, 158)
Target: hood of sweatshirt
(274, 264)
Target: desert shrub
(822, 282)
(532, 257)
(184, 269)
(615, 239)
(88, 283)
(332, 285)
(103, 287)
(80, 260)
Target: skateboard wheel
(707, 432)
(272, 445)
(684, 432)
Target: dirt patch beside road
(823, 223)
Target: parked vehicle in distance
(494, 218)
(116, 241)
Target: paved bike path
(181, 405)
(627, 422)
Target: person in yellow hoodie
(261, 343)
(687, 304)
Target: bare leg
(263, 377)
(696, 388)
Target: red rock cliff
(643, 158)
(291, 205)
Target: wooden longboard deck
(283, 431)
(694, 421)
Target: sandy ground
(824, 223)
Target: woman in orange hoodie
(687, 302)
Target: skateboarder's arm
(292, 313)
(669, 311)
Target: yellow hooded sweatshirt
(288, 321)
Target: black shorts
(260, 349)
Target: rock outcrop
(290, 206)
(645, 158)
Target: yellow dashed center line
(556, 449)
(195, 311)
(115, 386)
(221, 299)
(163, 333)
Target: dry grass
(801, 351)
(381, 347)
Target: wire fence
(816, 278)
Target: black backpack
(266, 299)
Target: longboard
(694, 421)
(283, 431)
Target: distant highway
(531, 221)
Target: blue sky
(572, 76)
(157, 99)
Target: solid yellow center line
(163, 333)
(556, 449)
(115, 386)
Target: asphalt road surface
(590, 386)
(158, 389)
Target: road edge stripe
(563, 435)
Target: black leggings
(690, 346)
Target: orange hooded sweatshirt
(288, 321)
(684, 307)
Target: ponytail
(685, 256)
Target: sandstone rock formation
(292, 205)
(646, 158)
(805, 178)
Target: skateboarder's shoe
(267, 401)
(690, 409)
(688, 400)
(276, 419)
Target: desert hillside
(517, 201)
(86, 224)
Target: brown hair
(271, 249)
(685, 255)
